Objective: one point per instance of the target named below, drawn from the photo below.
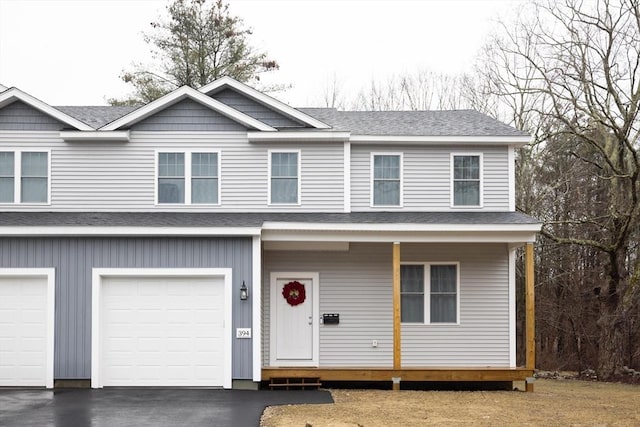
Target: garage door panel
(162, 331)
(24, 330)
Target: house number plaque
(243, 332)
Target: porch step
(287, 383)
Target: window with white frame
(24, 177)
(285, 178)
(467, 185)
(429, 293)
(386, 183)
(204, 178)
(188, 178)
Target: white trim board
(439, 140)
(49, 274)
(96, 288)
(97, 135)
(255, 294)
(399, 236)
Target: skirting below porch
(405, 374)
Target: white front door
(294, 319)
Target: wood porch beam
(530, 317)
(397, 356)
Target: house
(220, 238)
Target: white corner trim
(10, 95)
(512, 306)
(511, 172)
(435, 140)
(96, 288)
(256, 306)
(263, 99)
(50, 275)
(96, 135)
(347, 176)
(302, 136)
(185, 92)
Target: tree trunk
(611, 322)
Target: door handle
(311, 320)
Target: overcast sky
(72, 52)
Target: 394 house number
(243, 332)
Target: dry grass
(554, 403)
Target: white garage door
(162, 331)
(26, 329)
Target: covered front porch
(356, 274)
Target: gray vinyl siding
(427, 176)
(188, 115)
(20, 116)
(108, 176)
(358, 285)
(254, 109)
(73, 259)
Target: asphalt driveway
(145, 407)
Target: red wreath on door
(294, 293)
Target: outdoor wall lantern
(244, 292)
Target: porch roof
(272, 226)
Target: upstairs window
(7, 177)
(467, 180)
(285, 177)
(171, 178)
(386, 179)
(24, 177)
(429, 293)
(204, 178)
(188, 178)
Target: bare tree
(574, 71)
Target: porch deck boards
(405, 374)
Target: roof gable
(249, 106)
(188, 115)
(12, 95)
(181, 94)
(265, 100)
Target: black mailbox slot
(331, 318)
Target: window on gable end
(24, 177)
(204, 178)
(171, 177)
(7, 177)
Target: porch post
(530, 310)
(397, 364)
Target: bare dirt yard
(554, 403)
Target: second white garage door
(162, 331)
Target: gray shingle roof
(400, 123)
(96, 116)
(414, 123)
(176, 219)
